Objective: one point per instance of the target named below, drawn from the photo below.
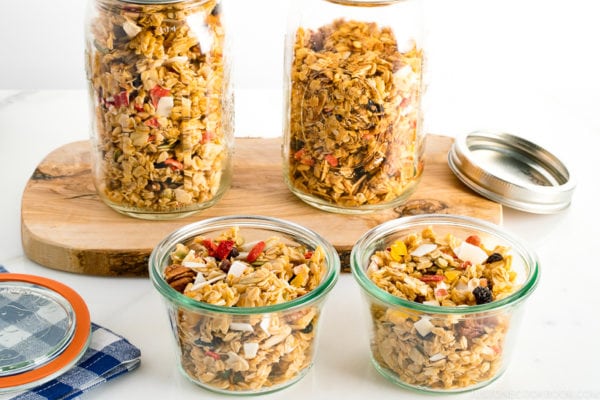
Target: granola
(247, 352)
(439, 351)
(160, 87)
(354, 115)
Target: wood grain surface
(65, 226)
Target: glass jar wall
(353, 139)
(162, 105)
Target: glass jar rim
(162, 250)
(366, 3)
(530, 258)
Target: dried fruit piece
(224, 248)
(398, 250)
(494, 257)
(432, 278)
(482, 294)
(255, 251)
(475, 240)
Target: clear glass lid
(44, 329)
(35, 325)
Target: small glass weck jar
(446, 297)
(162, 105)
(353, 139)
(244, 295)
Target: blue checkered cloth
(108, 356)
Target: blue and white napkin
(108, 356)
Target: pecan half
(178, 277)
(470, 329)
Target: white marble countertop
(557, 350)
(529, 68)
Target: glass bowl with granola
(244, 296)
(445, 294)
(162, 105)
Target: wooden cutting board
(65, 226)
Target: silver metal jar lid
(512, 171)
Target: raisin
(359, 172)
(494, 257)
(482, 294)
(237, 377)
(308, 328)
(296, 145)
(375, 108)
(153, 186)
(234, 252)
(317, 40)
(470, 329)
(224, 265)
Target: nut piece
(178, 277)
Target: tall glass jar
(162, 105)
(353, 139)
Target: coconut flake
(265, 324)
(164, 106)
(250, 349)
(201, 281)
(423, 326)
(193, 264)
(437, 357)
(273, 340)
(235, 362)
(468, 252)
(461, 287)
(249, 245)
(423, 249)
(373, 267)
(472, 284)
(123, 120)
(237, 268)
(432, 303)
(241, 326)
(131, 29)
(178, 59)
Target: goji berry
(255, 251)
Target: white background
(492, 52)
(529, 67)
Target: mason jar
(353, 78)
(162, 105)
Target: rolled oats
(160, 87)
(354, 115)
(251, 351)
(441, 351)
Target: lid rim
(522, 195)
(70, 355)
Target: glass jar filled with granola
(162, 105)
(353, 139)
(244, 295)
(446, 296)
